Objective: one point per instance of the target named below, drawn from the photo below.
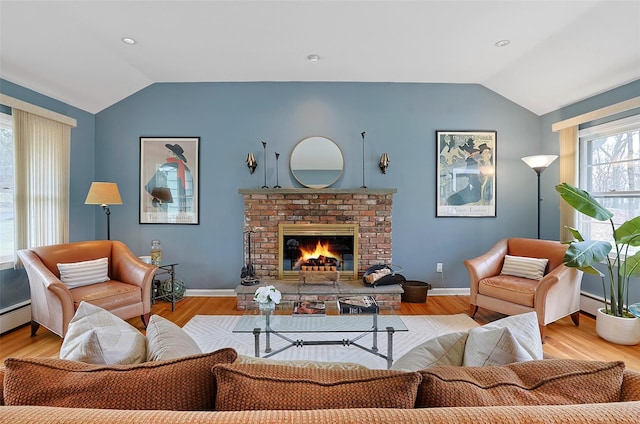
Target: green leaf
(583, 202)
(629, 232)
(575, 233)
(584, 254)
(591, 270)
(632, 265)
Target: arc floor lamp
(539, 163)
(104, 194)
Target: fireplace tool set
(248, 272)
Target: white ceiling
(560, 52)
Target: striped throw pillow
(84, 273)
(520, 266)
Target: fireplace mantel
(369, 208)
(271, 191)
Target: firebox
(321, 247)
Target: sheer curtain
(569, 152)
(41, 180)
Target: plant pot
(623, 331)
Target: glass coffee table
(283, 324)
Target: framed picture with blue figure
(466, 173)
(169, 171)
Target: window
(6, 192)
(610, 172)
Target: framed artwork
(169, 174)
(466, 173)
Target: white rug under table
(213, 332)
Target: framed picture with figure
(466, 174)
(169, 175)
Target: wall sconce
(252, 164)
(384, 163)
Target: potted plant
(614, 322)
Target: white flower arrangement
(267, 294)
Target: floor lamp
(104, 194)
(539, 163)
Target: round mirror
(316, 162)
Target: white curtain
(568, 174)
(41, 170)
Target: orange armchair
(127, 294)
(555, 296)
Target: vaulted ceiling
(560, 51)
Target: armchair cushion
(520, 266)
(96, 336)
(83, 273)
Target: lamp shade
(539, 162)
(103, 194)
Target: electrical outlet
(439, 267)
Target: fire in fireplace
(318, 247)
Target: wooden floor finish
(564, 340)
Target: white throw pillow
(84, 273)
(165, 340)
(447, 349)
(520, 266)
(96, 336)
(512, 339)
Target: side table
(170, 269)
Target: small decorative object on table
(267, 297)
(358, 305)
(156, 252)
(309, 309)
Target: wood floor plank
(564, 340)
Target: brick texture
(370, 209)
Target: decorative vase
(623, 331)
(267, 307)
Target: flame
(321, 249)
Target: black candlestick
(277, 184)
(363, 185)
(264, 147)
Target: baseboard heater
(14, 316)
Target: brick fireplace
(369, 210)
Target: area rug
(213, 332)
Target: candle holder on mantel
(264, 148)
(277, 173)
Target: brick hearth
(371, 209)
(386, 296)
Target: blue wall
(400, 119)
(13, 284)
(232, 118)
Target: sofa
(155, 392)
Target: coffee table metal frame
(286, 323)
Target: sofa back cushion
(259, 387)
(178, 384)
(545, 382)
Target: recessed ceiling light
(128, 40)
(503, 43)
(313, 58)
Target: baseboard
(590, 303)
(444, 291)
(15, 316)
(210, 293)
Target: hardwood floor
(564, 340)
